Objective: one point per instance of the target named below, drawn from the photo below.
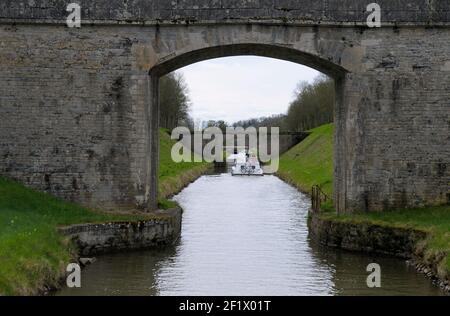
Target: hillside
(174, 176)
(310, 162)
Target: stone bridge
(79, 106)
(285, 141)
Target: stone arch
(249, 49)
(187, 57)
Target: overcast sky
(236, 88)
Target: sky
(237, 88)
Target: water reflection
(245, 236)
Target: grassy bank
(434, 251)
(173, 177)
(32, 254)
(311, 162)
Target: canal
(246, 236)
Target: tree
(276, 120)
(313, 105)
(174, 102)
(220, 124)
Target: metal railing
(317, 198)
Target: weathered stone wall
(201, 11)
(72, 105)
(365, 237)
(404, 243)
(94, 239)
(397, 121)
(80, 112)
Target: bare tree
(313, 105)
(174, 102)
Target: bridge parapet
(305, 12)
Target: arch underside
(251, 49)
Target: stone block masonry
(415, 12)
(79, 107)
(382, 239)
(94, 239)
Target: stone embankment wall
(404, 243)
(93, 239)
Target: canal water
(246, 236)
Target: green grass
(174, 176)
(165, 204)
(32, 253)
(434, 220)
(310, 162)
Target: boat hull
(239, 172)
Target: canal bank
(411, 244)
(421, 236)
(174, 177)
(163, 229)
(33, 253)
(34, 250)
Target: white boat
(238, 156)
(246, 164)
